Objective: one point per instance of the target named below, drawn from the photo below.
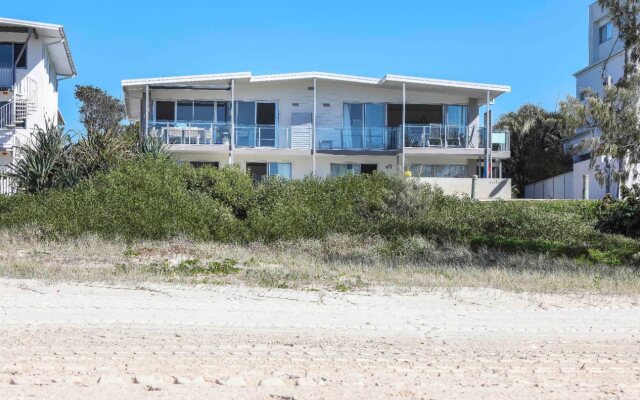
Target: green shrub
(157, 198)
(621, 216)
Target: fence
(558, 187)
(6, 183)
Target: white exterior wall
(335, 94)
(297, 96)
(47, 93)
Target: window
(201, 164)
(184, 111)
(22, 62)
(282, 170)
(438, 171)
(9, 53)
(203, 112)
(165, 111)
(606, 32)
(344, 169)
(457, 115)
(258, 170)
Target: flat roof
(477, 90)
(385, 80)
(58, 47)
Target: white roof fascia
(52, 31)
(317, 75)
(185, 79)
(446, 83)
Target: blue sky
(534, 46)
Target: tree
(106, 141)
(99, 112)
(536, 144)
(616, 113)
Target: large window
(258, 170)
(606, 32)
(344, 169)
(9, 53)
(165, 111)
(363, 126)
(438, 171)
(457, 115)
(192, 111)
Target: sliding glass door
(375, 131)
(256, 124)
(245, 123)
(364, 126)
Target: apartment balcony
(190, 133)
(273, 137)
(500, 141)
(206, 136)
(451, 139)
(357, 140)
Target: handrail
(6, 115)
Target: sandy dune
(161, 341)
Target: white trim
(598, 63)
(186, 79)
(499, 89)
(46, 30)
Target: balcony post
(313, 132)
(404, 123)
(146, 113)
(232, 139)
(488, 136)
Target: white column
(233, 122)
(146, 113)
(488, 144)
(313, 134)
(404, 115)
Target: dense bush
(157, 198)
(621, 216)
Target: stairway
(24, 104)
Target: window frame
(605, 32)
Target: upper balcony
(219, 135)
(357, 139)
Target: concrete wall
(558, 187)
(569, 185)
(485, 189)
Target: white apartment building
(606, 66)
(34, 56)
(323, 124)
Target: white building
(323, 124)
(34, 56)
(606, 66)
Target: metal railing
(438, 135)
(383, 138)
(500, 140)
(7, 185)
(257, 136)
(6, 115)
(6, 76)
(190, 132)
